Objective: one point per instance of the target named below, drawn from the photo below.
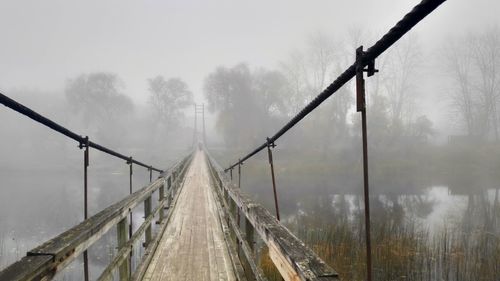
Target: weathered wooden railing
(46, 260)
(293, 259)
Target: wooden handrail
(293, 259)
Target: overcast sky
(45, 42)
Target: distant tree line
(251, 103)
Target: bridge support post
(150, 174)
(85, 200)
(361, 107)
(131, 225)
(249, 231)
(239, 174)
(238, 216)
(147, 212)
(169, 190)
(161, 197)
(271, 164)
(121, 231)
(195, 131)
(203, 118)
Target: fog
(128, 73)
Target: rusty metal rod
(419, 12)
(361, 107)
(151, 174)
(14, 105)
(130, 226)
(239, 186)
(270, 155)
(366, 198)
(239, 175)
(85, 201)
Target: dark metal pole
(195, 126)
(239, 175)
(203, 116)
(85, 200)
(151, 174)
(231, 174)
(130, 226)
(361, 107)
(130, 192)
(270, 154)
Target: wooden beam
(245, 242)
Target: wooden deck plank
(192, 246)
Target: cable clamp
(270, 143)
(84, 143)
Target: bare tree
(246, 102)
(98, 96)
(98, 99)
(486, 57)
(322, 58)
(168, 98)
(294, 70)
(458, 67)
(308, 72)
(400, 76)
(473, 67)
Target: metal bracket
(270, 146)
(239, 175)
(85, 144)
(360, 80)
(150, 169)
(270, 143)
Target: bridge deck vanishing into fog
(193, 245)
(205, 228)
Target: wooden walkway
(193, 245)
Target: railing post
(361, 107)
(271, 164)
(85, 200)
(161, 197)
(124, 269)
(150, 174)
(147, 212)
(169, 189)
(249, 231)
(203, 119)
(239, 174)
(249, 237)
(237, 210)
(131, 224)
